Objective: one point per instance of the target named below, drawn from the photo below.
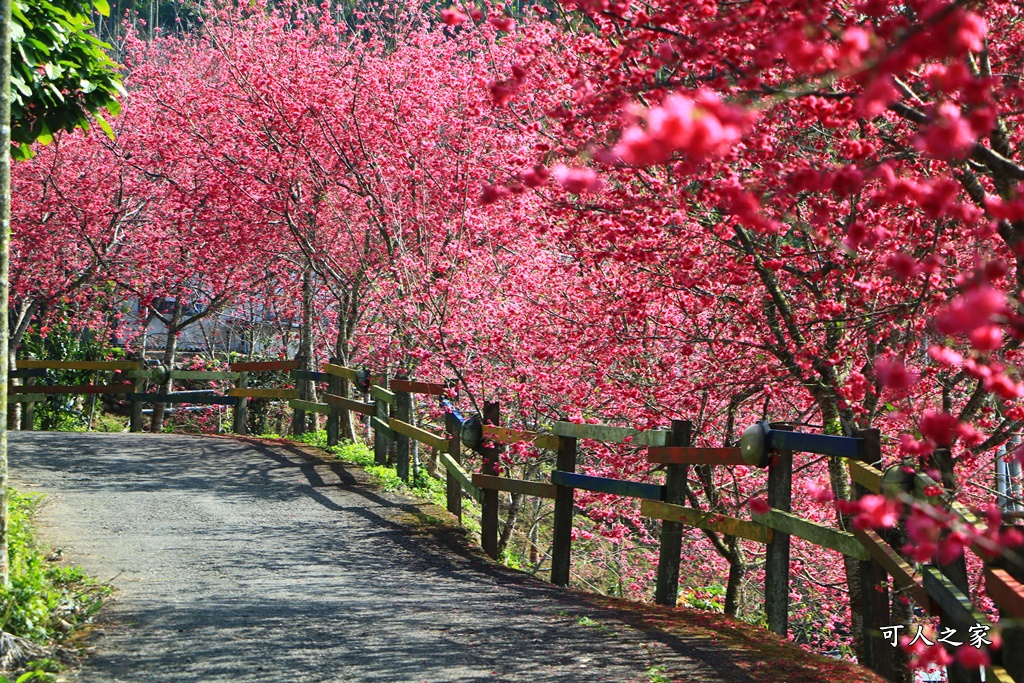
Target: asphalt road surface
(236, 560)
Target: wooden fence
(940, 591)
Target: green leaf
(20, 85)
(105, 126)
(45, 136)
(20, 16)
(39, 45)
(22, 152)
(76, 79)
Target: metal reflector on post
(470, 429)
(754, 444)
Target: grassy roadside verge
(46, 605)
(423, 486)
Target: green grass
(656, 674)
(47, 603)
(598, 626)
(422, 486)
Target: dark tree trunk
(170, 351)
(346, 427)
(306, 343)
(734, 586)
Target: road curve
(243, 561)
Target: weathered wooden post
(776, 580)
(453, 488)
(561, 545)
(28, 413)
(874, 582)
(403, 411)
(955, 571)
(345, 426)
(301, 385)
(667, 589)
(241, 404)
(1005, 572)
(489, 504)
(135, 419)
(380, 438)
(334, 415)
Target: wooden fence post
(874, 583)
(955, 571)
(776, 579)
(298, 414)
(345, 425)
(135, 419)
(667, 589)
(489, 504)
(452, 485)
(28, 412)
(380, 440)
(561, 545)
(334, 415)
(241, 404)
(414, 444)
(403, 411)
(1011, 626)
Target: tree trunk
(346, 427)
(306, 344)
(510, 522)
(840, 482)
(26, 312)
(5, 266)
(170, 350)
(737, 572)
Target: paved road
(246, 562)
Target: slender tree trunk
(170, 351)
(510, 522)
(841, 490)
(306, 342)
(346, 428)
(5, 265)
(734, 585)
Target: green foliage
(709, 598)
(357, 454)
(46, 601)
(60, 73)
(37, 671)
(598, 626)
(423, 485)
(512, 558)
(110, 423)
(656, 674)
(62, 412)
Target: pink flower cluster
(971, 313)
(872, 511)
(699, 127)
(577, 180)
